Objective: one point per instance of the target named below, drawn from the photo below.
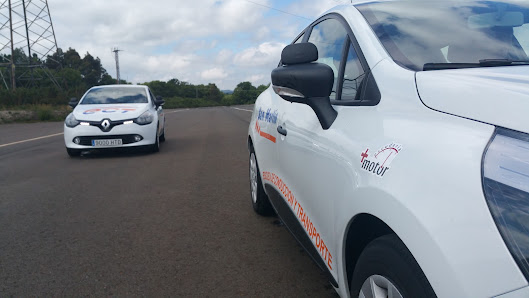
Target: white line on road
(176, 111)
(243, 110)
(29, 140)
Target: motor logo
(378, 162)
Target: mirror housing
(159, 101)
(301, 80)
(73, 102)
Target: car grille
(127, 139)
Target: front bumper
(125, 132)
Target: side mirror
(159, 101)
(301, 80)
(73, 102)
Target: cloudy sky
(199, 41)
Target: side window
(329, 36)
(353, 75)
(152, 97)
(300, 39)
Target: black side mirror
(301, 80)
(73, 102)
(159, 101)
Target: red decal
(264, 134)
(306, 222)
(364, 155)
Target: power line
(285, 12)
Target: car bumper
(126, 133)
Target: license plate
(107, 143)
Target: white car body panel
(446, 224)
(503, 91)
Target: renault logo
(105, 124)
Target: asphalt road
(174, 223)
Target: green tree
(244, 93)
(92, 70)
(213, 93)
(71, 59)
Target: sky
(198, 41)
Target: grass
(33, 113)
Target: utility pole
(13, 75)
(116, 56)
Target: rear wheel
(73, 152)
(386, 268)
(261, 204)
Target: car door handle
(281, 130)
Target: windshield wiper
(482, 63)
(501, 62)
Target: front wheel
(156, 146)
(162, 136)
(73, 152)
(386, 268)
(261, 204)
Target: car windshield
(484, 33)
(115, 95)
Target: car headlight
(71, 121)
(506, 186)
(145, 118)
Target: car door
(159, 111)
(314, 163)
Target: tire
(260, 202)
(73, 152)
(386, 265)
(162, 136)
(156, 146)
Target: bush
(44, 113)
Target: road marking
(29, 140)
(243, 110)
(176, 111)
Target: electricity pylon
(27, 38)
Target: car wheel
(386, 268)
(156, 146)
(260, 201)
(162, 136)
(73, 152)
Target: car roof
(121, 86)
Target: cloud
(214, 74)
(202, 41)
(265, 54)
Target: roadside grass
(50, 113)
(33, 113)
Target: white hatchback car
(115, 116)
(394, 145)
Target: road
(174, 223)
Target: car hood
(111, 111)
(495, 95)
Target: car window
(442, 32)
(353, 75)
(329, 36)
(300, 39)
(522, 35)
(114, 95)
(153, 98)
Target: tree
(92, 70)
(244, 93)
(213, 93)
(72, 59)
(56, 60)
